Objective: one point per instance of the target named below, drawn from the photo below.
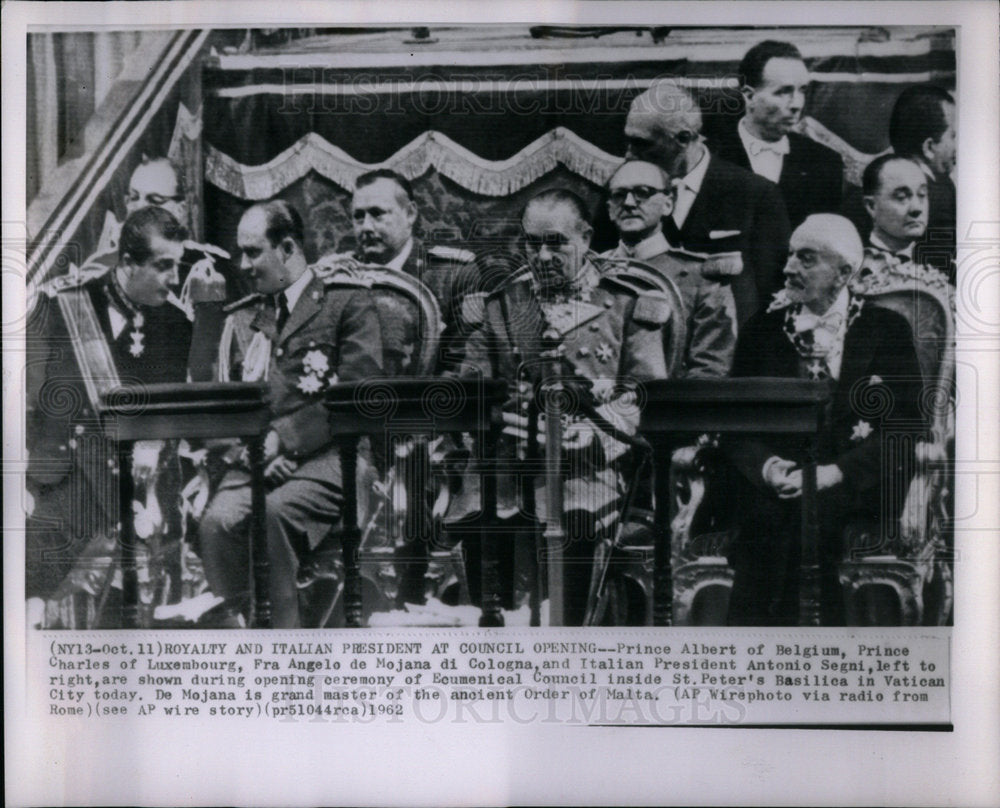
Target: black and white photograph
(346, 220)
(635, 365)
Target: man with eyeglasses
(640, 197)
(720, 208)
(605, 333)
(86, 335)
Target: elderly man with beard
(816, 329)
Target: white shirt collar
(694, 178)
(400, 259)
(878, 244)
(294, 292)
(755, 145)
(649, 247)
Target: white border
(515, 764)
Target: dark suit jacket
(450, 273)
(879, 385)
(812, 175)
(750, 211)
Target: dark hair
(556, 196)
(751, 70)
(918, 114)
(385, 174)
(282, 221)
(137, 233)
(872, 177)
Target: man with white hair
(816, 329)
(720, 207)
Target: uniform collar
(650, 247)
(294, 292)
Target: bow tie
(806, 320)
(780, 147)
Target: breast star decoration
(316, 367)
(862, 429)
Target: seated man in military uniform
(608, 334)
(384, 215)
(299, 334)
(88, 334)
(640, 197)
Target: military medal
(137, 335)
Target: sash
(93, 355)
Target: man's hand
(272, 446)
(279, 470)
(785, 478)
(206, 285)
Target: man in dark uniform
(87, 335)
(815, 328)
(204, 278)
(384, 215)
(609, 335)
(639, 198)
(299, 334)
(774, 80)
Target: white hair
(839, 236)
(669, 101)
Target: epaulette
(652, 307)
(722, 265)
(446, 253)
(347, 277)
(73, 279)
(208, 249)
(522, 275)
(243, 302)
(689, 255)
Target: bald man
(816, 329)
(719, 207)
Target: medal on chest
(137, 335)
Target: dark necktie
(282, 307)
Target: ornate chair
(906, 576)
(627, 594)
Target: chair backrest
(925, 298)
(675, 331)
(409, 315)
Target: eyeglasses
(155, 200)
(641, 193)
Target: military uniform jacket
(332, 334)
(709, 306)
(74, 357)
(451, 275)
(610, 334)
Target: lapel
(264, 319)
(793, 168)
(859, 347)
(704, 203)
(306, 307)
